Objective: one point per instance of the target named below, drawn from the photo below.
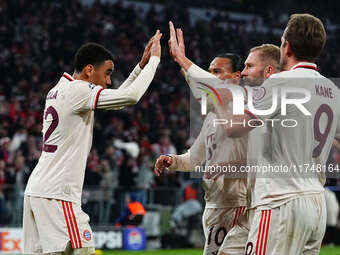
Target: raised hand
(174, 49)
(180, 38)
(156, 44)
(177, 47)
(146, 54)
(162, 162)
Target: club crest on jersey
(87, 235)
(91, 86)
(258, 93)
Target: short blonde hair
(269, 53)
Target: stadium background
(37, 43)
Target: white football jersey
(297, 153)
(68, 127)
(213, 147)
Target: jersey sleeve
(196, 77)
(133, 75)
(197, 150)
(84, 96)
(262, 99)
(193, 157)
(112, 99)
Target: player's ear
(288, 49)
(88, 70)
(268, 71)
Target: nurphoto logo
(254, 96)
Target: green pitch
(156, 252)
(324, 251)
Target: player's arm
(238, 125)
(196, 77)
(117, 98)
(233, 163)
(234, 125)
(177, 51)
(177, 48)
(193, 74)
(173, 162)
(139, 67)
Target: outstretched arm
(139, 67)
(129, 95)
(173, 162)
(177, 47)
(193, 74)
(235, 125)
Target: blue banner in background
(134, 239)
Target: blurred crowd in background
(38, 40)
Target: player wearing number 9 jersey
(53, 221)
(288, 211)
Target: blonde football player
(225, 197)
(261, 63)
(288, 211)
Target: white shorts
(49, 225)
(235, 241)
(332, 208)
(296, 227)
(216, 224)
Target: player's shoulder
(329, 83)
(79, 87)
(280, 75)
(296, 73)
(274, 80)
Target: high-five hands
(153, 48)
(146, 54)
(156, 44)
(177, 47)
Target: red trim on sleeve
(68, 77)
(251, 114)
(97, 96)
(213, 90)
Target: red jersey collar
(307, 65)
(67, 76)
